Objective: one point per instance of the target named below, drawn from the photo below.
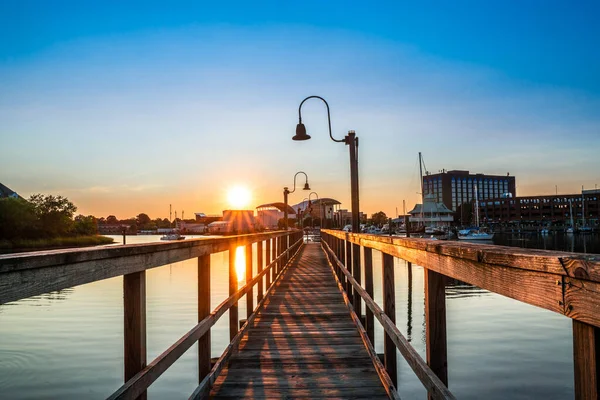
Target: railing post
(134, 307)
(586, 360)
(233, 287)
(250, 294)
(259, 268)
(203, 312)
(349, 268)
(268, 261)
(389, 308)
(356, 276)
(274, 256)
(435, 324)
(369, 288)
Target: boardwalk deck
(302, 344)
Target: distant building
(6, 192)
(431, 213)
(268, 215)
(546, 208)
(202, 218)
(241, 221)
(454, 188)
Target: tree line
(42, 217)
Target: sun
(239, 197)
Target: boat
(571, 229)
(475, 233)
(173, 235)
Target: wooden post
(389, 308)
(370, 320)
(586, 360)
(259, 268)
(356, 275)
(134, 307)
(274, 256)
(233, 287)
(435, 324)
(250, 294)
(349, 268)
(203, 312)
(268, 261)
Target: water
(69, 344)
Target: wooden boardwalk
(303, 343)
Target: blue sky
(127, 108)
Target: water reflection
(458, 289)
(409, 318)
(240, 263)
(577, 243)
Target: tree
(379, 218)
(54, 213)
(143, 219)
(85, 225)
(17, 219)
(112, 220)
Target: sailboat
(475, 234)
(175, 235)
(571, 229)
(584, 228)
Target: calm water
(69, 344)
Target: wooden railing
(566, 283)
(29, 274)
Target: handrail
(566, 283)
(432, 383)
(135, 386)
(29, 274)
(562, 282)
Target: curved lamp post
(286, 192)
(352, 142)
(312, 220)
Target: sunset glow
(240, 263)
(239, 197)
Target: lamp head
(301, 132)
(306, 187)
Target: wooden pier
(304, 334)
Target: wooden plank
(435, 387)
(28, 274)
(292, 332)
(554, 262)
(435, 324)
(233, 287)
(586, 361)
(349, 268)
(204, 387)
(204, 355)
(581, 300)
(134, 307)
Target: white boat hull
(477, 236)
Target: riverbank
(9, 246)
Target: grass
(70, 241)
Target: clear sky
(127, 108)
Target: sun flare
(239, 197)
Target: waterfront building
(456, 187)
(241, 221)
(431, 213)
(544, 209)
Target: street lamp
(286, 192)
(352, 141)
(320, 223)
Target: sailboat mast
(476, 207)
(422, 191)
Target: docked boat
(475, 234)
(172, 236)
